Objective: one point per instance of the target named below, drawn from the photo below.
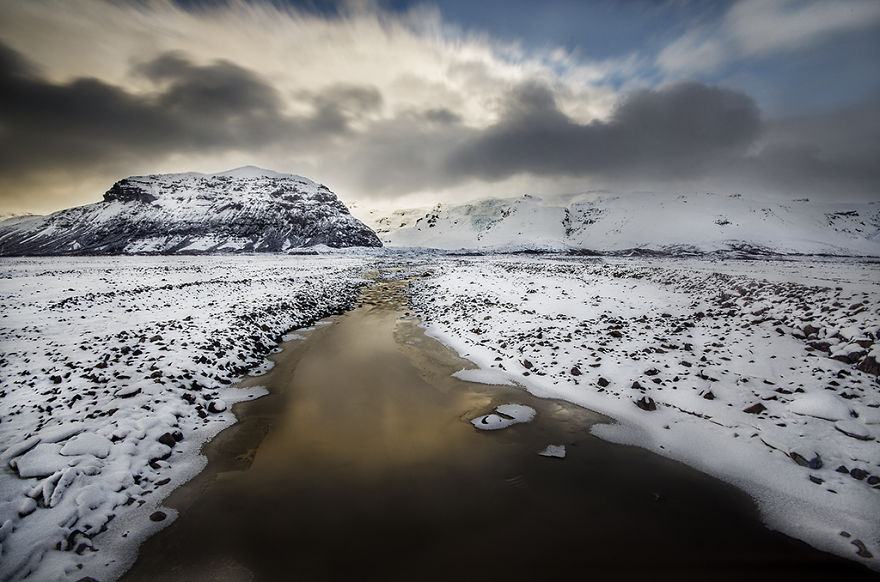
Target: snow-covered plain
(113, 372)
(761, 373)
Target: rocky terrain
(242, 210)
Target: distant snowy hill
(242, 210)
(698, 223)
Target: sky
(397, 104)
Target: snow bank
(705, 362)
(113, 372)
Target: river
(362, 464)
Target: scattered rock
(602, 382)
(870, 365)
(127, 391)
(646, 403)
(861, 550)
(858, 474)
(158, 516)
(167, 440)
(814, 463)
(217, 406)
(575, 371)
(755, 409)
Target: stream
(362, 463)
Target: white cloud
(758, 28)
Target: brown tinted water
(361, 465)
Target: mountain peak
(251, 172)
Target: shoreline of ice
(488, 308)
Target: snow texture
(683, 224)
(732, 367)
(554, 451)
(243, 210)
(504, 416)
(113, 372)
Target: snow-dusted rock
(242, 210)
(504, 416)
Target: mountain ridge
(646, 222)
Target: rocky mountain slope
(243, 210)
(693, 223)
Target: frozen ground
(113, 372)
(763, 374)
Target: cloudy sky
(398, 103)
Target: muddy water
(361, 464)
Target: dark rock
(575, 371)
(637, 386)
(652, 372)
(861, 550)
(755, 409)
(870, 366)
(850, 358)
(646, 403)
(873, 480)
(816, 480)
(709, 395)
(815, 463)
(157, 516)
(858, 474)
(215, 408)
(842, 469)
(527, 364)
(602, 382)
(810, 330)
(167, 439)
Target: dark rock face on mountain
(242, 210)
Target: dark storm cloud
(674, 132)
(831, 155)
(195, 108)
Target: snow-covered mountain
(699, 223)
(242, 210)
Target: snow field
(769, 385)
(113, 372)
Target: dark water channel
(362, 465)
